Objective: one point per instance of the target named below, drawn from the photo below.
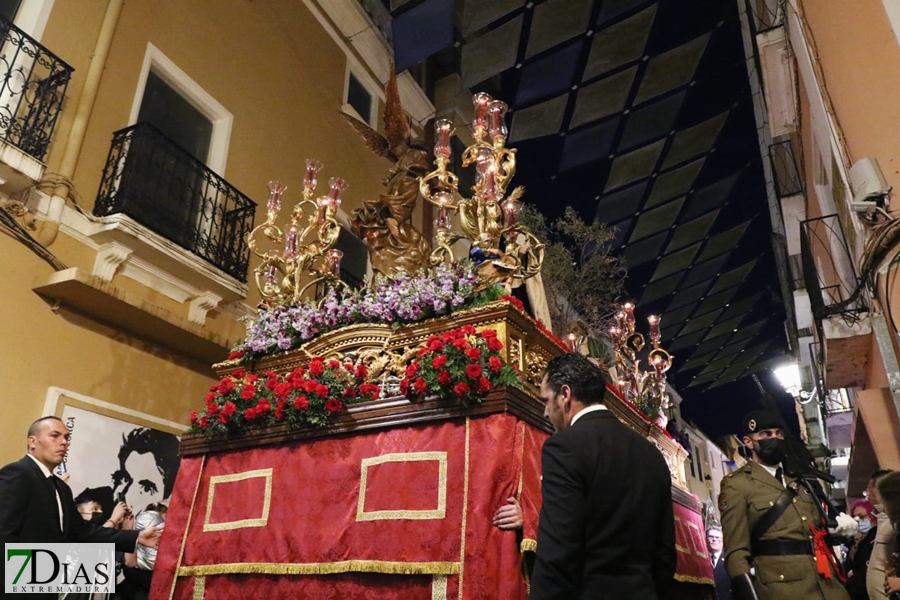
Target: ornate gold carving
(535, 365)
(389, 515)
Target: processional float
(360, 440)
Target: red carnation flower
(236, 354)
(279, 412)
(411, 370)
(350, 392)
(271, 382)
(482, 386)
(473, 371)
(404, 386)
(322, 391)
(239, 374)
(361, 372)
(226, 385)
(443, 377)
(193, 417)
(223, 418)
(283, 389)
(210, 397)
(264, 406)
(494, 344)
(270, 374)
(420, 386)
(333, 364)
(333, 405)
(203, 422)
(310, 386)
(468, 330)
(316, 368)
(473, 354)
(298, 383)
(461, 343)
(212, 408)
(436, 345)
(439, 361)
(298, 372)
(461, 389)
(514, 301)
(301, 403)
(495, 364)
(228, 409)
(488, 333)
(251, 378)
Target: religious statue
(395, 245)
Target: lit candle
(572, 342)
(498, 125)
(654, 327)
(312, 167)
(334, 257)
(511, 210)
(482, 103)
(443, 129)
(276, 189)
(322, 203)
(620, 319)
(629, 313)
(271, 271)
(290, 242)
(337, 186)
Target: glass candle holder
(498, 121)
(276, 189)
(291, 239)
(482, 103)
(333, 259)
(443, 131)
(312, 168)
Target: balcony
(838, 301)
(33, 84)
(161, 186)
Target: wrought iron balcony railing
(788, 181)
(153, 180)
(33, 84)
(832, 283)
(766, 14)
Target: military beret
(759, 420)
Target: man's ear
(566, 393)
(747, 441)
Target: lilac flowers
(401, 299)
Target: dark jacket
(29, 513)
(723, 581)
(606, 527)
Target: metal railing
(33, 84)
(153, 180)
(767, 14)
(788, 181)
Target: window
(9, 8)
(359, 100)
(175, 117)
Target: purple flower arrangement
(400, 299)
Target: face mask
(771, 451)
(864, 526)
(97, 518)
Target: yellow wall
(269, 63)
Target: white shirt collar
(587, 409)
(772, 470)
(41, 465)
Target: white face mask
(864, 526)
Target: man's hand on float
(509, 516)
(150, 537)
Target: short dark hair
(163, 446)
(35, 427)
(586, 380)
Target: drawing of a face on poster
(109, 456)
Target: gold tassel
(528, 545)
(689, 579)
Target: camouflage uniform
(747, 495)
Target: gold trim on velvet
(521, 465)
(678, 548)
(691, 579)
(243, 523)
(187, 527)
(199, 588)
(528, 545)
(439, 587)
(465, 510)
(392, 515)
(345, 566)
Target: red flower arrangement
(459, 363)
(518, 304)
(305, 397)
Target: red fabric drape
(694, 564)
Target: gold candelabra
(644, 389)
(307, 250)
(503, 248)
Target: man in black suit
(606, 528)
(714, 543)
(36, 506)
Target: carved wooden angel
(395, 245)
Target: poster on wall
(119, 454)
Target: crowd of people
(606, 526)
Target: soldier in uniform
(775, 546)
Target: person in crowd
(138, 573)
(90, 510)
(606, 528)
(36, 506)
(767, 517)
(857, 560)
(884, 538)
(714, 543)
(889, 493)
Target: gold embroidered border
(345, 566)
(521, 464)
(465, 509)
(243, 523)
(690, 579)
(439, 587)
(187, 527)
(528, 545)
(199, 588)
(389, 515)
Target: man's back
(606, 524)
